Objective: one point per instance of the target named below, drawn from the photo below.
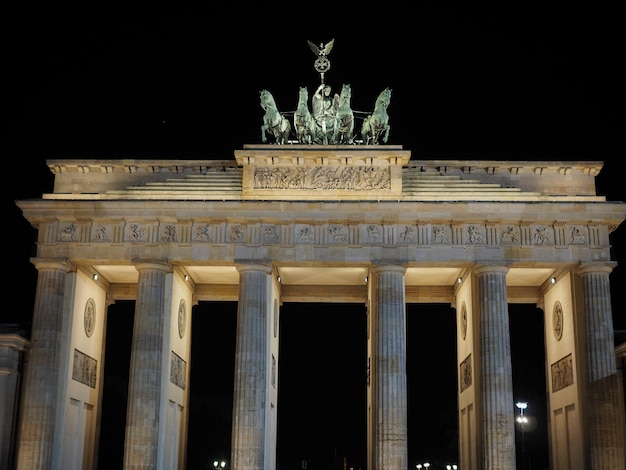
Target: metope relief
(441, 234)
(236, 233)
(323, 178)
(134, 233)
(67, 233)
(543, 235)
(101, 233)
(475, 234)
(84, 369)
(510, 235)
(178, 370)
(168, 233)
(202, 233)
(270, 233)
(304, 234)
(578, 235)
(373, 233)
(407, 234)
(337, 234)
(562, 373)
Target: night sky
(182, 80)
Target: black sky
(182, 80)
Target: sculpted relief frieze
(387, 232)
(323, 178)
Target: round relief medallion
(182, 318)
(90, 317)
(463, 321)
(557, 320)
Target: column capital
(376, 268)
(265, 268)
(597, 267)
(159, 265)
(53, 264)
(490, 268)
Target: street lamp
(521, 419)
(219, 464)
(451, 467)
(425, 465)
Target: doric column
(390, 447)
(605, 425)
(42, 371)
(497, 406)
(147, 364)
(13, 347)
(250, 394)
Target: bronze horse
(377, 123)
(274, 123)
(303, 119)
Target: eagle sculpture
(323, 49)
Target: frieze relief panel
(387, 232)
(323, 178)
(84, 369)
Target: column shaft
(390, 402)
(498, 418)
(251, 358)
(605, 424)
(41, 378)
(146, 369)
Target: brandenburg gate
(320, 223)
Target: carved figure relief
(68, 233)
(474, 234)
(408, 235)
(201, 232)
(178, 370)
(543, 235)
(465, 371)
(305, 235)
(89, 317)
(134, 232)
(323, 178)
(101, 234)
(182, 318)
(270, 233)
(557, 320)
(236, 233)
(336, 234)
(439, 235)
(84, 369)
(562, 373)
(373, 233)
(578, 236)
(168, 233)
(510, 234)
(463, 321)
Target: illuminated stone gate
(321, 223)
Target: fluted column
(251, 378)
(42, 371)
(13, 347)
(390, 399)
(143, 416)
(498, 417)
(605, 424)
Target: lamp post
(219, 464)
(522, 405)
